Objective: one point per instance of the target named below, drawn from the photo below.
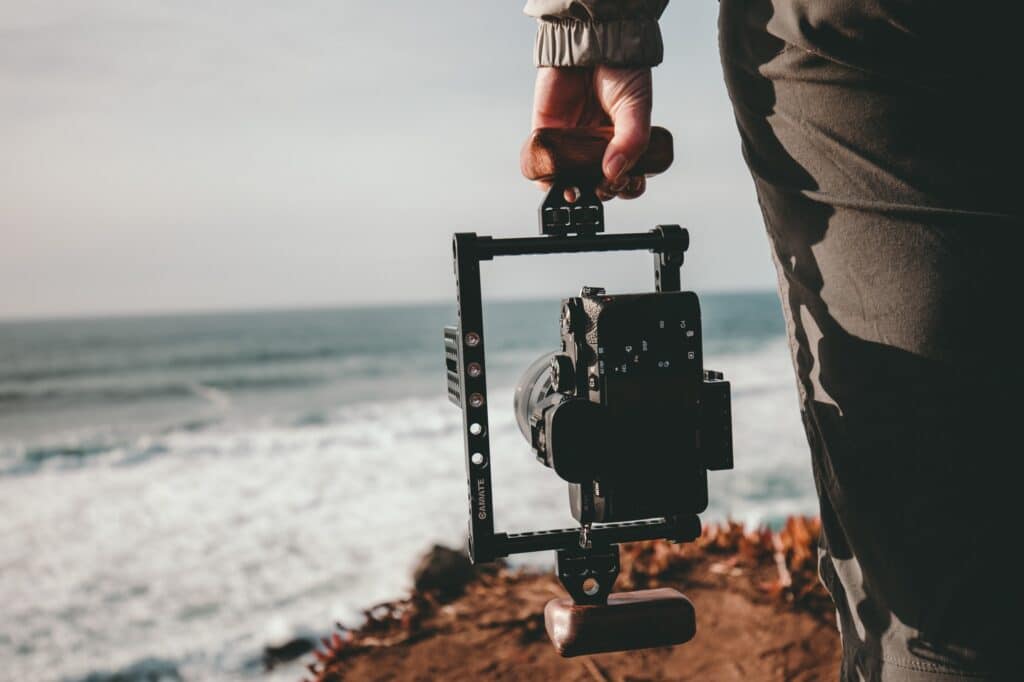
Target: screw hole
(476, 429)
(477, 459)
(591, 587)
(476, 400)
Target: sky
(191, 155)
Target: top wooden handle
(575, 154)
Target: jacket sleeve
(591, 32)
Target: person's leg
(883, 156)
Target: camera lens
(535, 384)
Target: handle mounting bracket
(561, 218)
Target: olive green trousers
(884, 139)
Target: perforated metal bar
(470, 342)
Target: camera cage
(587, 557)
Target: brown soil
(761, 615)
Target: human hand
(600, 96)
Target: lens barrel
(535, 384)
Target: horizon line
(299, 307)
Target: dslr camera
(625, 412)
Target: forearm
(590, 32)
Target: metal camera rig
(587, 556)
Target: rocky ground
(761, 615)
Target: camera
(625, 412)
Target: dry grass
(781, 567)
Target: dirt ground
(760, 616)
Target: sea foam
(189, 544)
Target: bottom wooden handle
(630, 620)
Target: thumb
(632, 133)
(627, 99)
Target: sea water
(177, 492)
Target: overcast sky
(190, 155)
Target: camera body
(626, 412)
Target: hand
(600, 96)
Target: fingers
(629, 187)
(634, 188)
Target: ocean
(177, 492)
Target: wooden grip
(575, 154)
(630, 620)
